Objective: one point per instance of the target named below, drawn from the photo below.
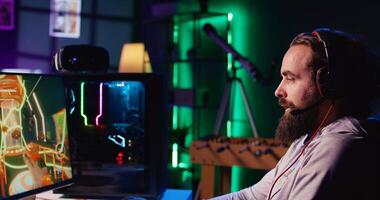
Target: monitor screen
(34, 144)
(117, 134)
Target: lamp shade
(134, 59)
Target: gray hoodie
(334, 166)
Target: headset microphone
(317, 103)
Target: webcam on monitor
(81, 58)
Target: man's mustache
(285, 104)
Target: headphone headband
(318, 36)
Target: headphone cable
(303, 149)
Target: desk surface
(169, 194)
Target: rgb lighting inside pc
(117, 135)
(34, 148)
(112, 113)
(107, 129)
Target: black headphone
(324, 77)
(343, 54)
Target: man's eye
(289, 79)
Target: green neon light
(175, 117)
(183, 165)
(229, 56)
(47, 151)
(20, 121)
(2, 142)
(58, 166)
(63, 133)
(175, 155)
(229, 128)
(23, 86)
(175, 65)
(82, 103)
(175, 33)
(229, 37)
(237, 128)
(36, 124)
(42, 115)
(230, 16)
(229, 62)
(14, 166)
(186, 175)
(175, 75)
(236, 173)
(25, 166)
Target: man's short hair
(319, 59)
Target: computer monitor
(118, 135)
(34, 144)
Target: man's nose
(280, 92)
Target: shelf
(169, 62)
(185, 17)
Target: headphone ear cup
(323, 82)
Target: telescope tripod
(225, 103)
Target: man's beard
(293, 125)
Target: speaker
(81, 58)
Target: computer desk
(169, 194)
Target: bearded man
(326, 87)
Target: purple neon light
(100, 104)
